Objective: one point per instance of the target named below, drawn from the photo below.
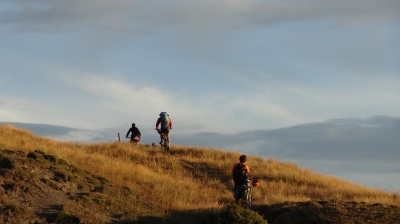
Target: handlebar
(253, 178)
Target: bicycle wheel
(166, 145)
(162, 142)
(249, 197)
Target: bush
(6, 163)
(63, 217)
(233, 214)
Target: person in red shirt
(240, 173)
(166, 125)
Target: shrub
(6, 163)
(64, 217)
(32, 155)
(233, 214)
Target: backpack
(164, 119)
(239, 174)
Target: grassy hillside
(143, 183)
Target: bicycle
(250, 183)
(164, 140)
(135, 140)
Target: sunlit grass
(191, 177)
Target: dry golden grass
(192, 178)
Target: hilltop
(364, 151)
(47, 181)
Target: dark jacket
(135, 132)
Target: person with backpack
(135, 136)
(166, 125)
(240, 173)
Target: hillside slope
(43, 188)
(48, 181)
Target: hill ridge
(128, 184)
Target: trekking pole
(119, 138)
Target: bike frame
(134, 141)
(164, 140)
(249, 192)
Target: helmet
(255, 182)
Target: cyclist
(166, 125)
(240, 173)
(135, 136)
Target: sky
(215, 66)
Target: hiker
(135, 136)
(166, 125)
(240, 172)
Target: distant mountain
(43, 129)
(345, 138)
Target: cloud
(315, 60)
(13, 109)
(131, 99)
(307, 99)
(340, 12)
(209, 111)
(31, 111)
(206, 15)
(107, 86)
(255, 109)
(213, 31)
(115, 94)
(9, 115)
(264, 106)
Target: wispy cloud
(8, 115)
(122, 14)
(226, 64)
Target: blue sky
(220, 66)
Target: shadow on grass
(311, 212)
(182, 217)
(317, 212)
